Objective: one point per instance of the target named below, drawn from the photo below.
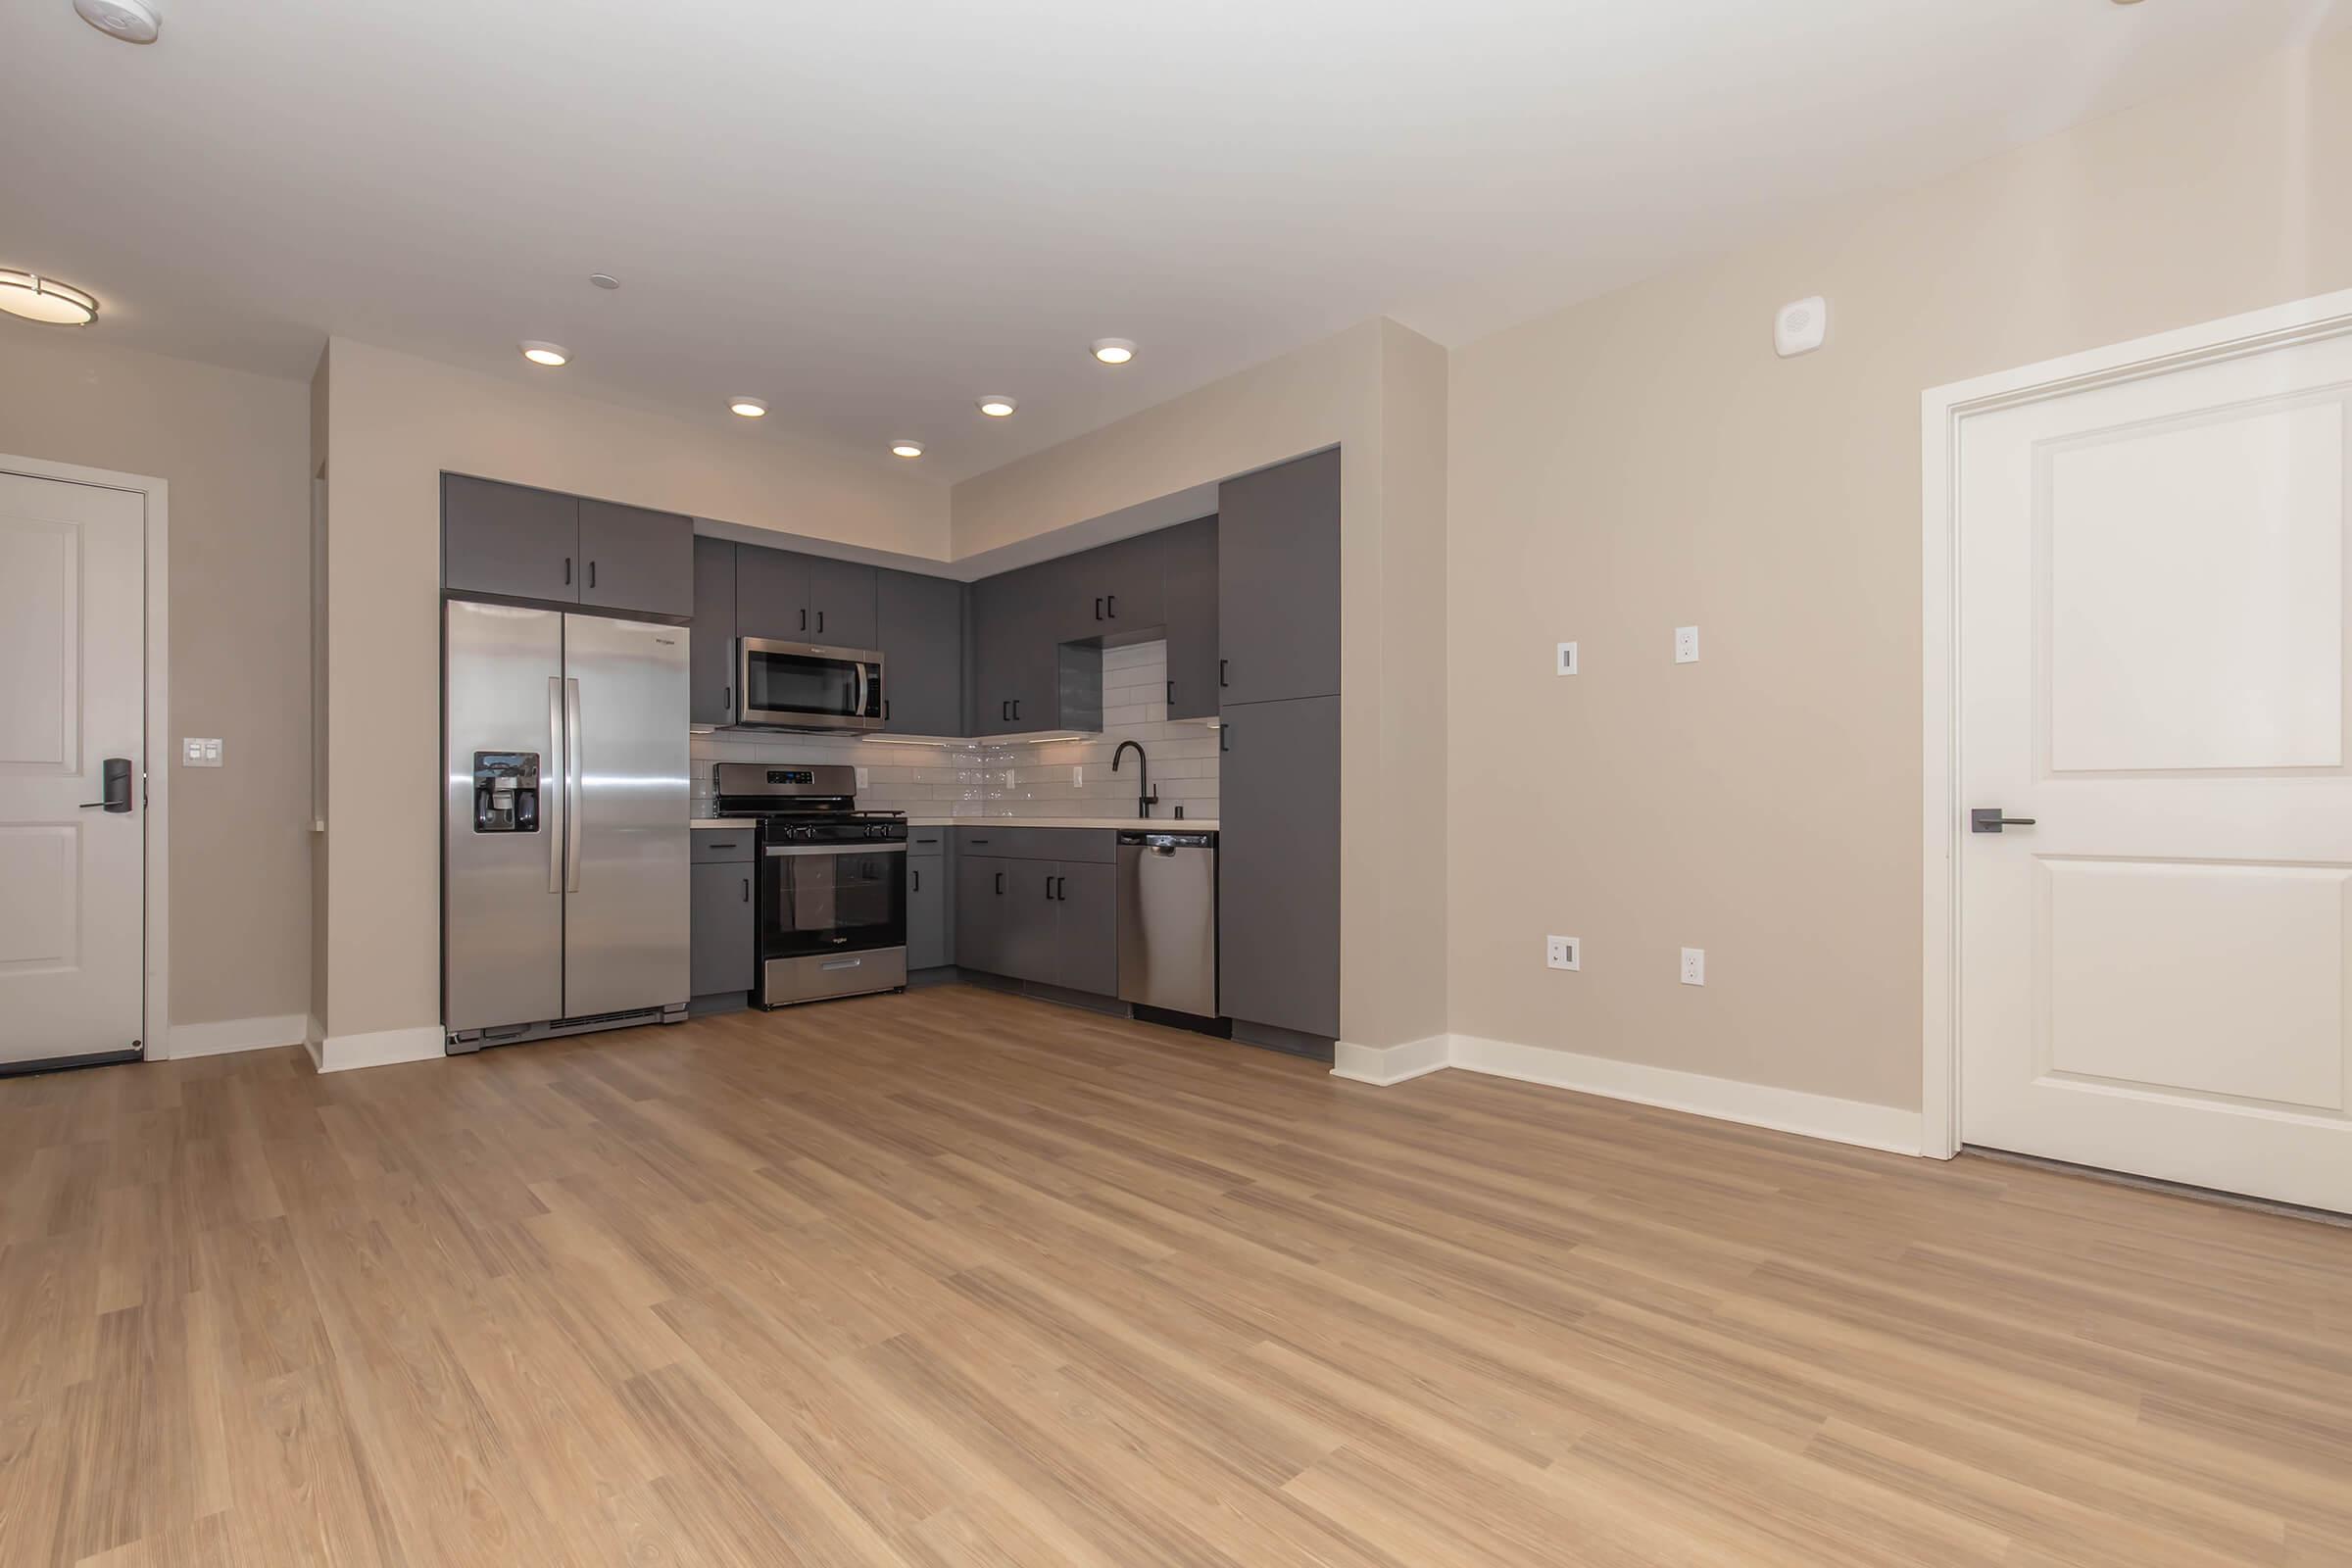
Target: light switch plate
(1695, 966)
(1563, 953)
(199, 752)
(1567, 657)
(1685, 645)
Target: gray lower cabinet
(636, 560)
(1051, 922)
(1190, 558)
(725, 917)
(508, 540)
(1086, 953)
(981, 890)
(918, 627)
(930, 907)
(1278, 864)
(1278, 582)
(710, 679)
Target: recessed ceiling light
(907, 449)
(603, 281)
(45, 299)
(997, 406)
(132, 21)
(1115, 350)
(749, 407)
(548, 354)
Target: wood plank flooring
(957, 1279)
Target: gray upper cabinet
(840, 604)
(636, 560)
(771, 594)
(1278, 582)
(1190, 558)
(508, 541)
(1016, 652)
(711, 666)
(803, 599)
(919, 630)
(1116, 592)
(1278, 866)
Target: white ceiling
(869, 213)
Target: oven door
(803, 686)
(817, 899)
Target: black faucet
(1145, 797)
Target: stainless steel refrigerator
(566, 882)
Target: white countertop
(1164, 825)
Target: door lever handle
(115, 785)
(1988, 819)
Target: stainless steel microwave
(780, 685)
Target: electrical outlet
(1077, 775)
(1685, 645)
(1563, 953)
(1695, 966)
(1567, 666)
(194, 752)
(862, 778)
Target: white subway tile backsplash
(992, 779)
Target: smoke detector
(132, 21)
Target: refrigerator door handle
(562, 813)
(572, 784)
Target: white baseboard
(235, 1034)
(1390, 1064)
(1788, 1111)
(382, 1048)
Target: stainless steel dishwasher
(1168, 920)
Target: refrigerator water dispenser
(506, 792)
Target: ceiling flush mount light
(749, 407)
(905, 449)
(603, 281)
(547, 354)
(44, 299)
(997, 406)
(1115, 350)
(132, 21)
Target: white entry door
(2153, 973)
(73, 693)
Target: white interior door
(2152, 667)
(73, 693)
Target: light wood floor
(954, 1278)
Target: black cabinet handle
(820, 620)
(730, 844)
(914, 876)
(1049, 889)
(1098, 606)
(1000, 879)
(592, 575)
(747, 890)
(804, 617)
(885, 710)
(1061, 889)
(1221, 664)
(1115, 606)
(1005, 713)
(1225, 736)
(726, 700)
(567, 571)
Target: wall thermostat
(1800, 328)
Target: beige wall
(1379, 393)
(395, 423)
(232, 447)
(1644, 462)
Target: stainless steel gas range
(831, 882)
